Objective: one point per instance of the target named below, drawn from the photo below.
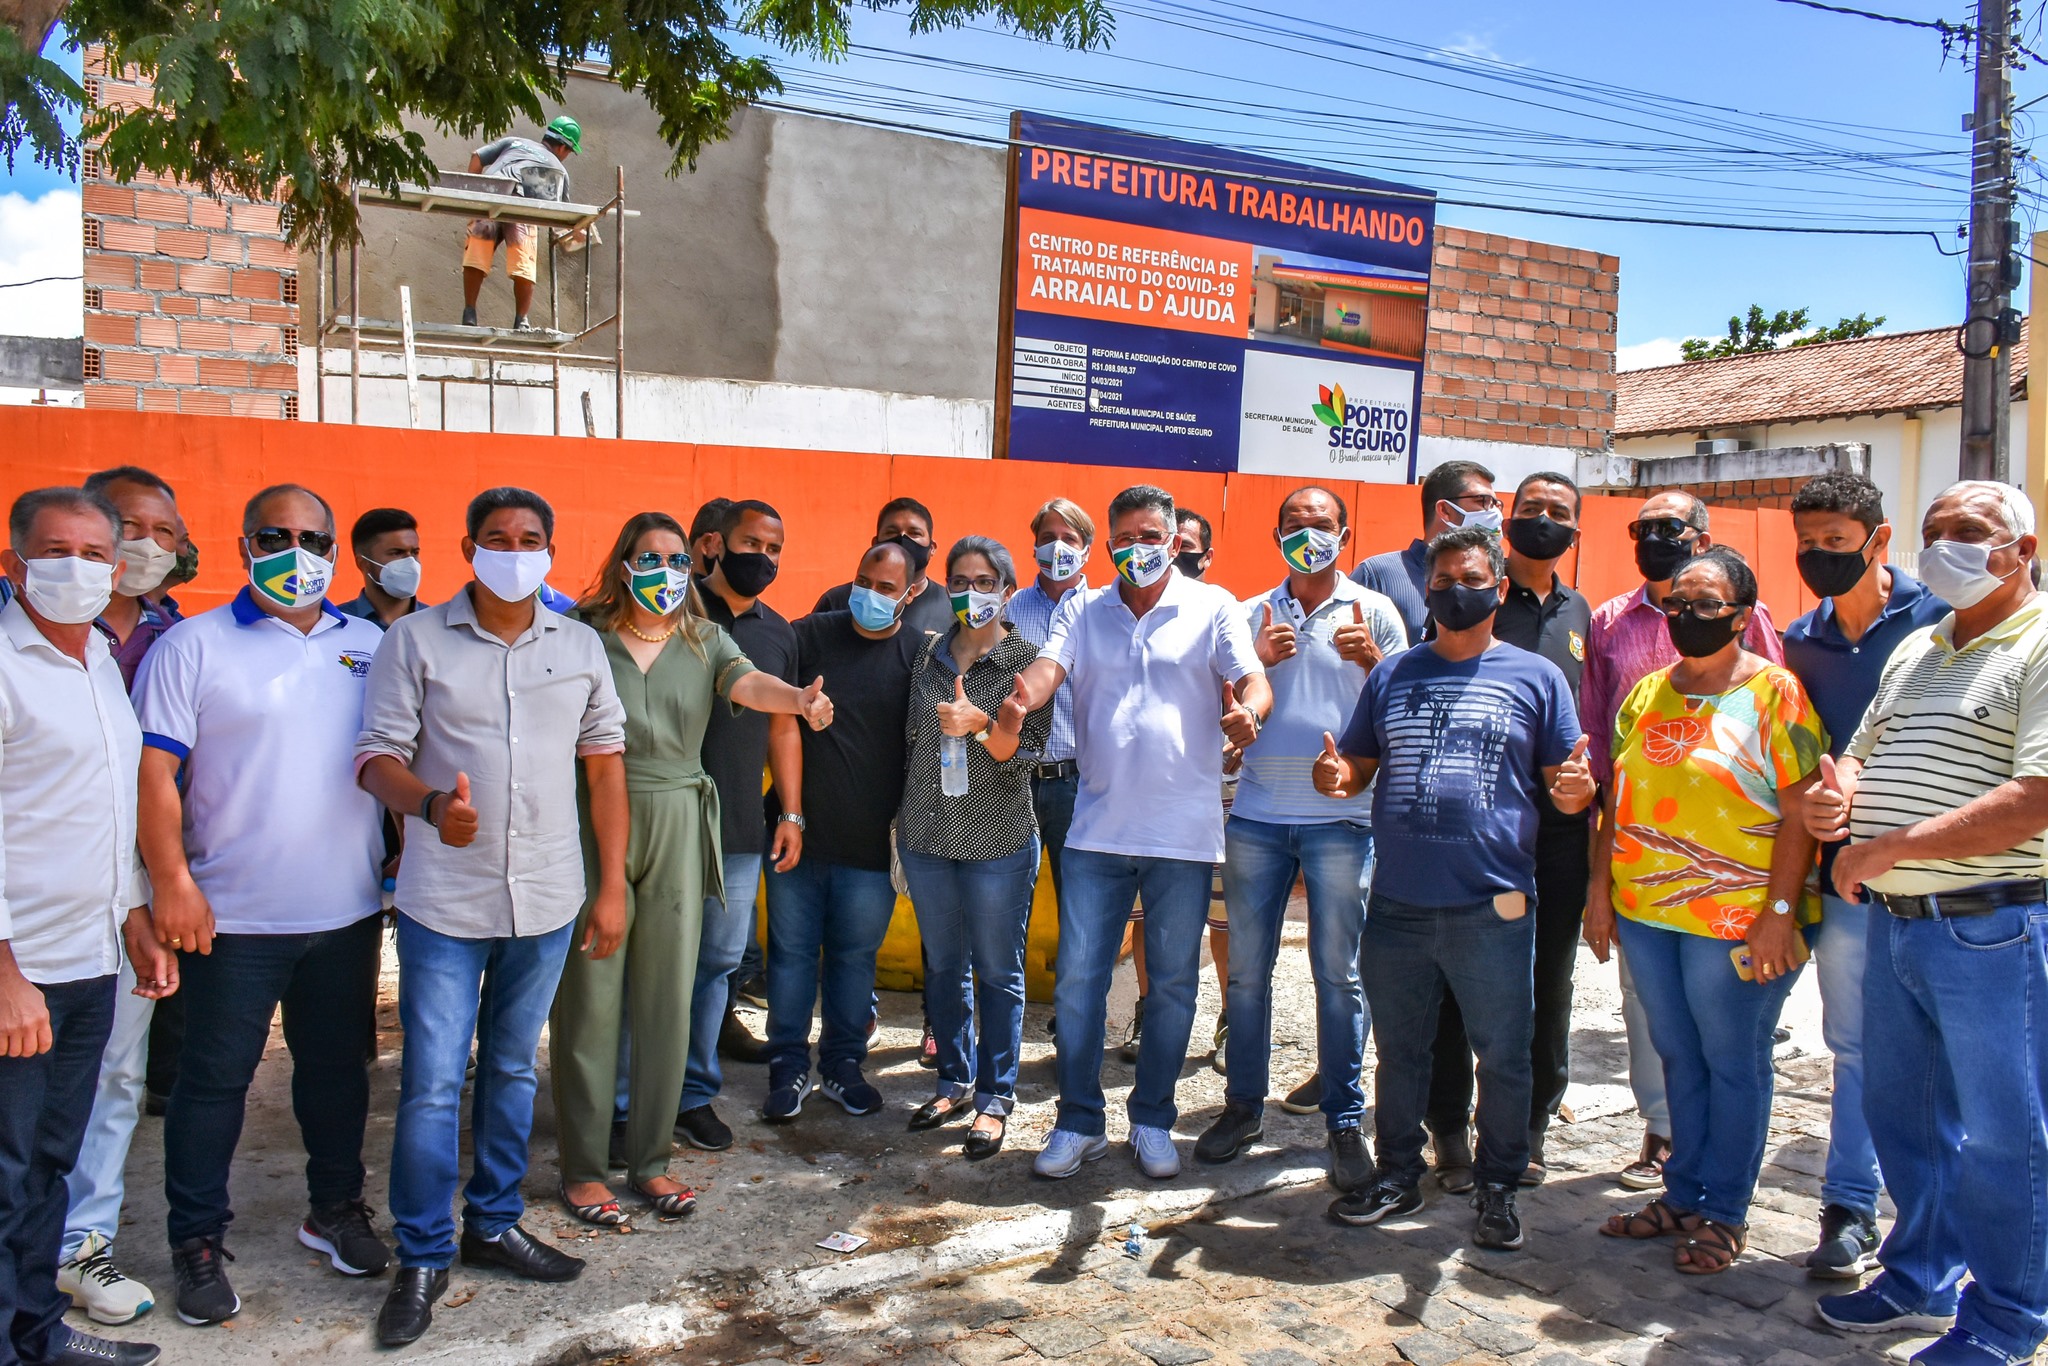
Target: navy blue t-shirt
(1462, 747)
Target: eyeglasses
(1128, 540)
(270, 540)
(1663, 528)
(647, 561)
(1486, 501)
(987, 583)
(1704, 609)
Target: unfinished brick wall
(191, 301)
(1521, 342)
(1738, 493)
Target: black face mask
(1539, 538)
(1830, 573)
(1696, 639)
(1461, 607)
(919, 553)
(1658, 559)
(1189, 562)
(747, 574)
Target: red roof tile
(1895, 372)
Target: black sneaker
(69, 1347)
(1236, 1129)
(1306, 1098)
(852, 1091)
(1499, 1227)
(1129, 1052)
(786, 1098)
(204, 1295)
(700, 1127)
(343, 1232)
(1350, 1159)
(1848, 1245)
(1384, 1198)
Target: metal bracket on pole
(412, 358)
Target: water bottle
(953, 765)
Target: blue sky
(1751, 111)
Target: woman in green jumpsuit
(670, 665)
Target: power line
(39, 280)
(1941, 26)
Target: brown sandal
(1658, 1219)
(1712, 1249)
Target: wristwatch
(1781, 907)
(983, 734)
(794, 819)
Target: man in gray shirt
(537, 168)
(478, 711)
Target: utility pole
(1990, 326)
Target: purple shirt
(128, 655)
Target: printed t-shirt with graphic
(1462, 746)
(1696, 799)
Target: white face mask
(1143, 565)
(1059, 560)
(144, 564)
(1310, 550)
(1486, 519)
(1959, 573)
(68, 590)
(292, 578)
(512, 575)
(400, 578)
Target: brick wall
(191, 301)
(1738, 493)
(1521, 342)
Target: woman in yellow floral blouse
(1702, 871)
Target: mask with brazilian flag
(1310, 550)
(660, 591)
(291, 578)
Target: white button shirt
(69, 752)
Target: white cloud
(1475, 45)
(1643, 355)
(41, 237)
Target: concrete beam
(42, 362)
(1779, 462)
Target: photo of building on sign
(1320, 302)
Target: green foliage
(298, 99)
(35, 93)
(1758, 331)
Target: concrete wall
(800, 250)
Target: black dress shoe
(409, 1308)
(981, 1144)
(940, 1110)
(69, 1347)
(518, 1252)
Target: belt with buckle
(1982, 899)
(1065, 768)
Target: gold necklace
(651, 640)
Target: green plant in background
(1759, 331)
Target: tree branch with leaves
(1758, 331)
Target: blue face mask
(874, 611)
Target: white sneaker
(94, 1285)
(1066, 1150)
(1157, 1157)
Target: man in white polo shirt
(1157, 660)
(1943, 793)
(266, 861)
(68, 884)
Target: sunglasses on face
(647, 561)
(1663, 528)
(1706, 609)
(270, 540)
(987, 583)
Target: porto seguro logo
(356, 662)
(1372, 427)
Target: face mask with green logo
(1310, 550)
(295, 577)
(661, 591)
(977, 610)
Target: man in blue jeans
(479, 712)
(1839, 651)
(1463, 732)
(830, 912)
(1943, 793)
(1318, 635)
(1153, 657)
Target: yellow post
(2037, 418)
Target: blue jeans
(1957, 1097)
(1052, 801)
(44, 1102)
(1408, 957)
(450, 991)
(96, 1185)
(728, 924)
(1259, 866)
(840, 914)
(326, 984)
(1100, 891)
(973, 916)
(1713, 1033)
(1841, 949)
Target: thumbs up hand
(1572, 789)
(1828, 799)
(960, 716)
(457, 823)
(1010, 716)
(1275, 640)
(1331, 775)
(1354, 640)
(1240, 725)
(814, 706)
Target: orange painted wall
(828, 499)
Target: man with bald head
(1629, 640)
(836, 902)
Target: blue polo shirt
(1842, 677)
(1402, 576)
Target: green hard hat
(566, 131)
